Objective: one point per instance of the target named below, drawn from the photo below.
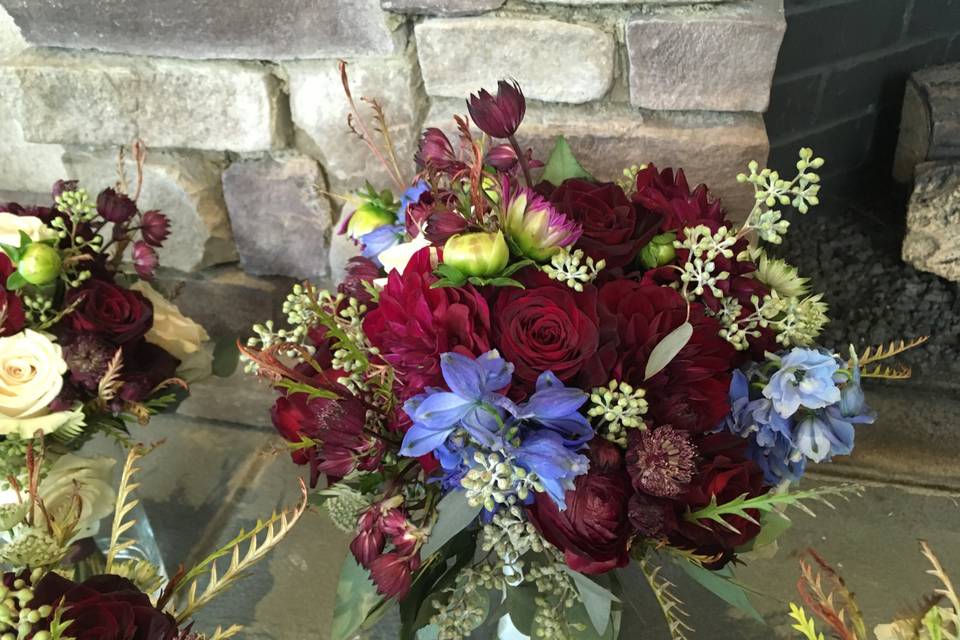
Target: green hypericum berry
(40, 264)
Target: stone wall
(841, 75)
(244, 115)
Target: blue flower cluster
(806, 410)
(541, 436)
(384, 237)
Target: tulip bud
(477, 254)
(40, 264)
(659, 251)
(368, 217)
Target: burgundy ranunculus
(690, 393)
(614, 228)
(725, 475)
(109, 310)
(155, 228)
(115, 207)
(414, 324)
(499, 115)
(12, 317)
(104, 607)
(593, 532)
(548, 327)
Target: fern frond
(691, 556)
(142, 573)
(804, 624)
(844, 618)
(947, 590)
(670, 604)
(125, 504)
(886, 372)
(741, 506)
(274, 529)
(110, 383)
(69, 432)
(883, 352)
(223, 634)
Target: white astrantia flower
(31, 374)
(11, 225)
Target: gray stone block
(319, 109)
(244, 29)
(241, 399)
(932, 242)
(720, 59)
(281, 221)
(552, 60)
(930, 121)
(184, 186)
(342, 248)
(442, 7)
(711, 147)
(11, 40)
(86, 98)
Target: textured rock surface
(441, 7)
(80, 98)
(319, 110)
(932, 242)
(552, 60)
(720, 59)
(280, 221)
(930, 122)
(11, 40)
(24, 166)
(250, 29)
(184, 186)
(712, 148)
(342, 249)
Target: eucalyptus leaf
(721, 584)
(356, 598)
(667, 349)
(772, 526)
(562, 164)
(596, 598)
(579, 615)
(522, 606)
(226, 356)
(454, 514)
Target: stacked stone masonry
(245, 119)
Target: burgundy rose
(414, 323)
(104, 607)
(593, 532)
(106, 309)
(725, 474)
(549, 327)
(690, 393)
(614, 228)
(12, 317)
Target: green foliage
(450, 276)
(722, 584)
(803, 624)
(454, 514)
(670, 604)
(667, 349)
(596, 598)
(562, 164)
(226, 356)
(356, 599)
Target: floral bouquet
(129, 598)
(524, 384)
(85, 347)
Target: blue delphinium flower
(556, 464)
(472, 403)
(556, 407)
(411, 196)
(380, 239)
(779, 461)
(805, 379)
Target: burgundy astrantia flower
(155, 228)
(360, 273)
(381, 525)
(500, 115)
(414, 323)
(119, 314)
(145, 366)
(435, 153)
(593, 532)
(336, 426)
(145, 260)
(87, 356)
(115, 207)
(103, 607)
(690, 393)
(614, 228)
(661, 461)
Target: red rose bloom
(614, 228)
(414, 324)
(106, 309)
(549, 327)
(593, 532)
(12, 317)
(726, 474)
(104, 607)
(691, 391)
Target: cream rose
(31, 374)
(28, 427)
(175, 333)
(89, 479)
(11, 225)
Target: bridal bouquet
(84, 345)
(525, 384)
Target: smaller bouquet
(127, 598)
(824, 592)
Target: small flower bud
(477, 254)
(40, 264)
(659, 251)
(368, 217)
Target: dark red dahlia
(500, 115)
(414, 323)
(690, 393)
(668, 194)
(661, 461)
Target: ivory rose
(173, 332)
(73, 476)
(11, 225)
(31, 374)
